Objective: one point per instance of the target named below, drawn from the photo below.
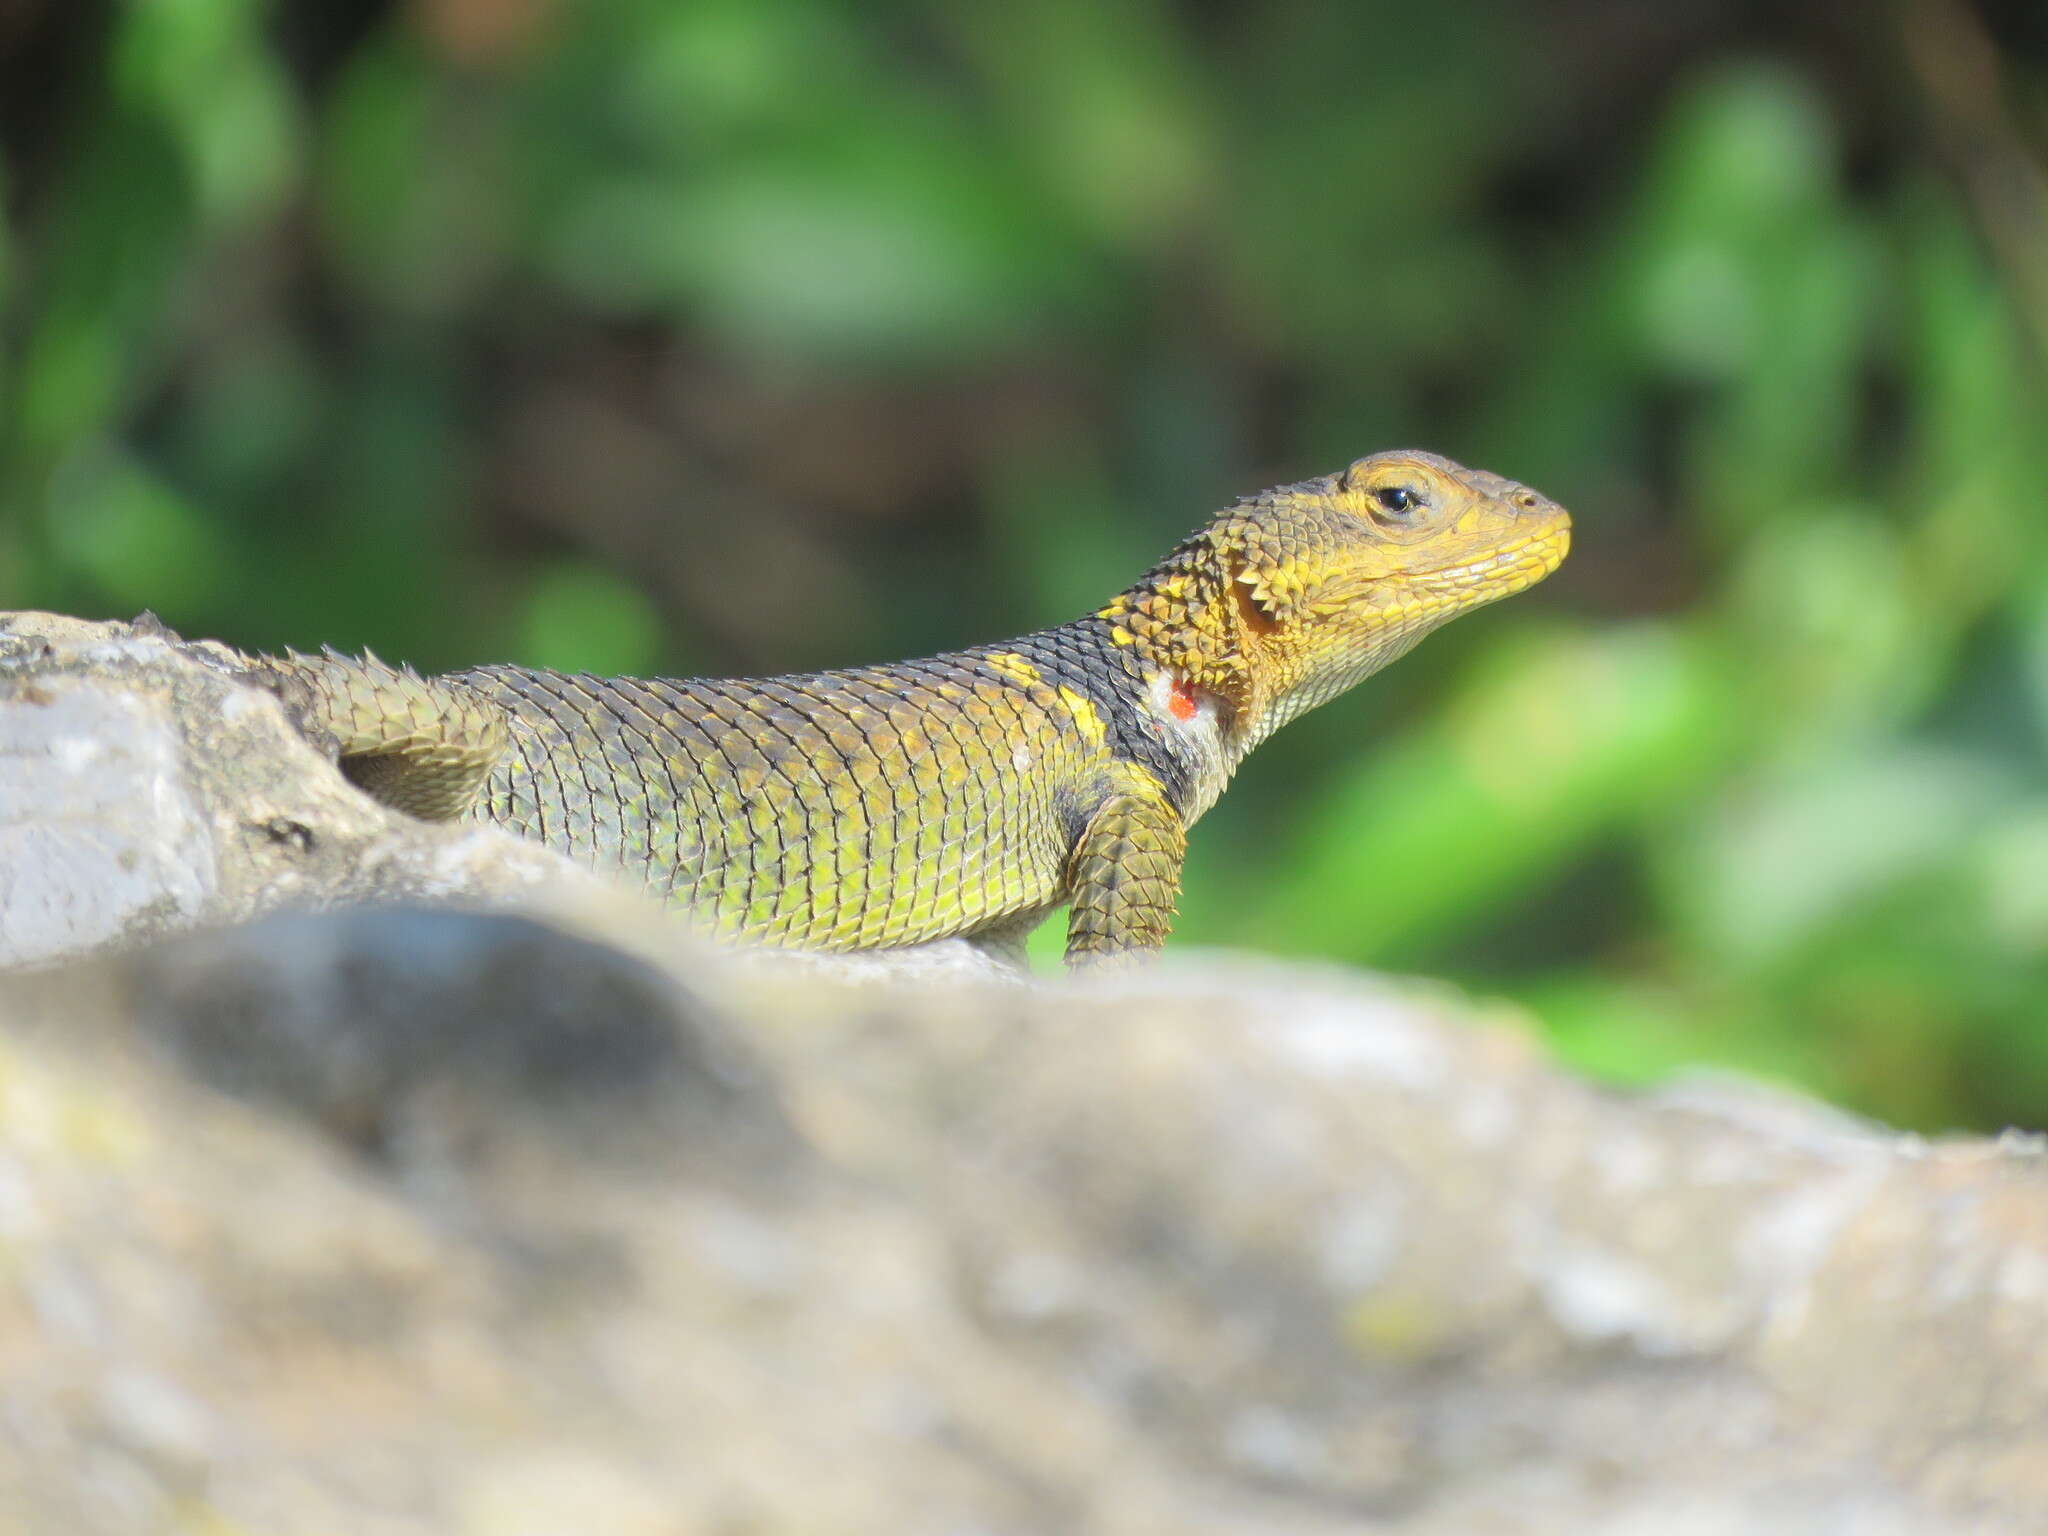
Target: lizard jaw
(1513, 568)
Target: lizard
(971, 793)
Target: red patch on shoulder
(1180, 701)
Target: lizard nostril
(1527, 498)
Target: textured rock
(406, 1219)
(145, 789)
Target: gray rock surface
(406, 1219)
(145, 789)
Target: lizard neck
(1236, 632)
(1181, 637)
(1194, 633)
(1138, 711)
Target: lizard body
(969, 793)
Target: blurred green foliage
(744, 335)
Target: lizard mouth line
(1529, 560)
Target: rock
(421, 1221)
(145, 788)
(414, 1217)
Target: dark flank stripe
(1082, 657)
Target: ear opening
(1260, 609)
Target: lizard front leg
(419, 745)
(1124, 873)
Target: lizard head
(1292, 596)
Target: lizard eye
(1396, 503)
